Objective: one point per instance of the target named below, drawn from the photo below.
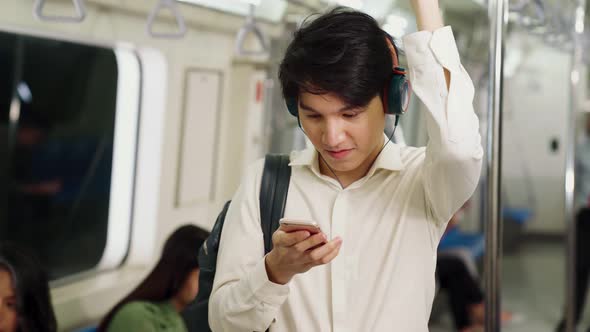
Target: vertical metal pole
(575, 76)
(498, 12)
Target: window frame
(123, 169)
(125, 151)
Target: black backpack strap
(273, 195)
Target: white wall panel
(199, 143)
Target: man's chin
(342, 165)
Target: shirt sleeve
(132, 317)
(243, 299)
(453, 159)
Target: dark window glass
(57, 117)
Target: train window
(68, 122)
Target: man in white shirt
(382, 207)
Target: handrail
(79, 17)
(170, 4)
(576, 77)
(498, 11)
(250, 26)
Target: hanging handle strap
(532, 12)
(79, 17)
(170, 4)
(250, 27)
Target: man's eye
(312, 116)
(350, 115)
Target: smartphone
(293, 225)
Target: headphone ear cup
(394, 106)
(292, 106)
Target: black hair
(31, 288)
(342, 52)
(179, 258)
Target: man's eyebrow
(311, 109)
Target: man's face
(349, 139)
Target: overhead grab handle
(532, 12)
(250, 27)
(79, 17)
(171, 5)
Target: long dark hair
(179, 258)
(31, 287)
(342, 51)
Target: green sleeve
(132, 317)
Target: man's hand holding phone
(298, 245)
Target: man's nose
(334, 133)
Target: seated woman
(464, 293)
(25, 303)
(155, 304)
(456, 271)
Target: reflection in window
(57, 118)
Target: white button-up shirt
(390, 221)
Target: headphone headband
(393, 52)
(396, 68)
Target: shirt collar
(388, 159)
